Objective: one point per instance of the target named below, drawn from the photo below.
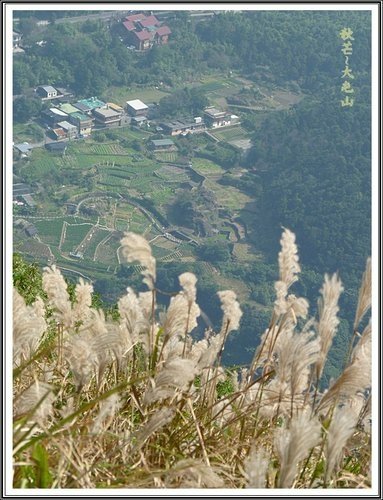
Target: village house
(46, 92)
(59, 134)
(68, 108)
(57, 147)
(178, 127)
(16, 39)
(162, 145)
(20, 189)
(52, 116)
(107, 116)
(16, 43)
(136, 108)
(23, 149)
(217, 118)
(86, 106)
(142, 31)
(69, 129)
(83, 123)
(138, 121)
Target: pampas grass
(136, 402)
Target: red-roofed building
(129, 25)
(143, 31)
(162, 34)
(149, 21)
(135, 17)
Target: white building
(136, 107)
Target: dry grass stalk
(141, 394)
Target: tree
(214, 250)
(25, 108)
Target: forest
(310, 166)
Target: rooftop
(136, 104)
(66, 125)
(59, 132)
(81, 116)
(47, 88)
(215, 113)
(143, 35)
(91, 103)
(163, 30)
(179, 124)
(107, 113)
(149, 21)
(56, 146)
(129, 25)
(23, 148)
(116, 107)
(57, 111)
(139, 118)
(68, 108)
(135, 17)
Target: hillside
(207, 205)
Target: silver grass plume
(193, 473)
(295, 353)
(105, 416)
(357, 375)
(288, 270)
(188, 282)
(341, 429)
(28, 326)
(132, 321)
(181, 316)
(293, 443)
(105, 340)
(36, 401)
(80, 357)
(328, 320)
(256, 466)
(145, 300)
(161, 418)
(288, 258)
(231, 311)
(364, 299)
(136, 248)
(81, 308)
(55, 287)
(175, 374)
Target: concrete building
(136, 108)
(107, 117)
(88, 105)
(52, 116)
(83, 123)
(217, 118)
(70, 129)
(178, 127)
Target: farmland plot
(50, 230)
(172, 174)
(106, 251)
(95, 238)
(107, 149)
(74, 234)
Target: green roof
(81, 116)
(92, 102)
(68, 108)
